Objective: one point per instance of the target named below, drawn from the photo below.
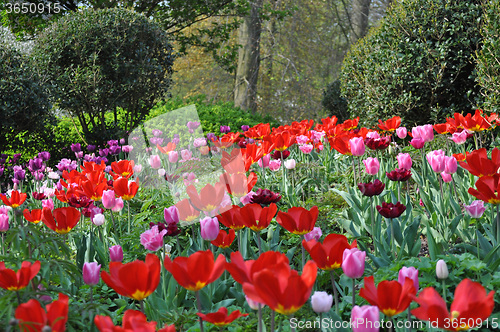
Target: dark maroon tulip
(370, 189)
(390, 210)
(38, 196)
(399, 174)
(79, 202)
(265, 197)
(278, 154)
(378, 143)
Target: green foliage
(99, 61)
(214, 115)
(417, 64)
(24, 106)
(334, 102)
(488, 65)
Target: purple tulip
(4, 222)
(209, 228)
(76, 147)
(475, 209)
(171, 215)
(91, 273)
(116, 253)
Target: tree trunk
(245, 90)
(360, 12)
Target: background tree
(105, 61)
(417, 64)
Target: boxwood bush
(417, 64)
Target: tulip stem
(477, 237)
(272, 320)
(354, 171)
(303, 252)
(198, 304)
(372, 217)
(409, 319)
(239, 240)
(91, 294)
(444, 289)
(498, 226)
(259, 312)
(292, 326)
(128, 214)
(392, 238)
(335, 293)
(18, 298)
(113, 219)
(258, 242)
(353, 292)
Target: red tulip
(224, 240)
(298, 220)
(133, 320)
(125, 189)
(391, 124)
(256, 217)
(258, 131)
(243, 271)
(265, 197)
(32, 318)
(390, 297)
(471, 306)
(16, 199)
(221, 317)
(478, 163)
(34, 216)
(136, 280)
(15, 281)
(61, 220)
(124, 168)
(196, 271)
(329, 254)
(209, 197)
(232, 219)
(488, 189)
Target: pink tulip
(446, 177)
(171, 215)
(365, 319)
(401, 132)
(118, 205)
(155, 161)
(173, 157)
(209, 228)
(98, 219)
(436, 160)
(315, 234)
(321, 302)
(475, 209)
(372, 165)
(404, 160)
(275, 165)
(427, 133)
(357, 146)
(302, 139)
(417, 143)
(306, 148)
(186, 155)
(459, 137)
(116, 253)
(353, 263)
(4, 222)
(48, 203)
(247, 198)
(264, 161)
(137, 168)
(152, 239)
(108, 199)
(373, 134)
(450, 165)
(91, 272)
(408, 272)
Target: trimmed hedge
(417, 64)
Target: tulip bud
(372, 165)
(209, 228)
(91, 272)
(401, 132)
(173, 156)
(108, 199)
(98, 219)
(357, 146)
(315, 234)
(408, 272)
(116, 253)
(48, 203)
(171, 215)
(404, 160)
(321, 302)
(4, 222)
(161, 172)
(290, 163)
(441, 269)
(365, 318)
(353, 263)
(118, 205)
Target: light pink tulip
(321, 302)
(173, 157)
(365, 319)
(436, 160)
(446, 177)
(408, 272)
(264, 161)
(118, 205)
(48, 203)
(315, 234)
(459, 137)
(152, 239)
(155, 161)
(475, 209)
(274, 165)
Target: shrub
(417, 64)
(98, 61)
(334, 102)
(24, 105)
(488, 58)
